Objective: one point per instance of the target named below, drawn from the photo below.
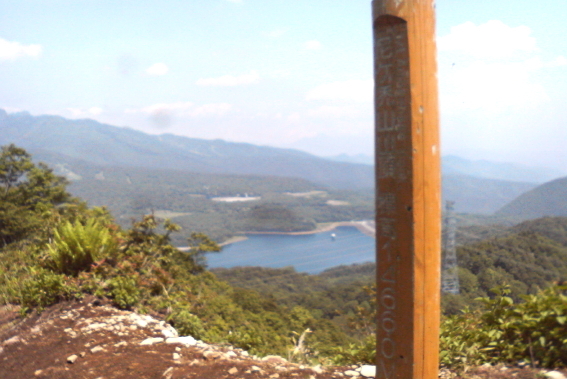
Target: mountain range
(87, 146)
(106, 145)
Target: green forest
(53, 247)
(192, 200)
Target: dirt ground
(90, 339)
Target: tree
(28, 193)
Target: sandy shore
(367, 227)
(233, 240)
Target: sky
(293, 73)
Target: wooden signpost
(408, 199)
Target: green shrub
(124, 291)
(363, 352)
(76, 247)
(44, 288)
(186, 323)
(505, 332)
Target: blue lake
(311, 253)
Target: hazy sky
(293, 73)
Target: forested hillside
(57, 140)
(53, 248)
(547, 199)
(218, 205)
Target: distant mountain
(548, 199)
(108, 145)
(478, 195)
(498, 170)
(357, 158)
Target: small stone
(38, 372)
(230, 354)
(554, 375)
(13, 340)
(351, 373)
(169, 332)
(255, 369)
(82, 355)
(168, 373)
(121, 343)
(274, 376)
(187, 340)
(72, 358)
(211, 355)
(96, 349)
(233, 371)
(368, 371)
(244, 353)
(274, 359)
(317, 369)
(151, 341)
(176, 356)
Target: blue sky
(291, 73)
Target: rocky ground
(91, 339)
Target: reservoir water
(311, 253)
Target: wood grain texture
(408, 189)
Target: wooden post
(408, 204)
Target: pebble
(351, 373)
(554, 375)
(72, 358)
(368, 371)
(233, 371)
(151, 341)
(187, 340)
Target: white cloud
(350, 90)
(215, 109)
(14, 50)
(294, 117)
(492, 40)
(230, 80)
(81, 112)
(493, 87)
(312, 45)
(184, 109)
(11, 109)
(327, 111)
(157, 69)
(491, 68)
(179, 106)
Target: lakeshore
(332, 245)
(367, 227)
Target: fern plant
(75, 247)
